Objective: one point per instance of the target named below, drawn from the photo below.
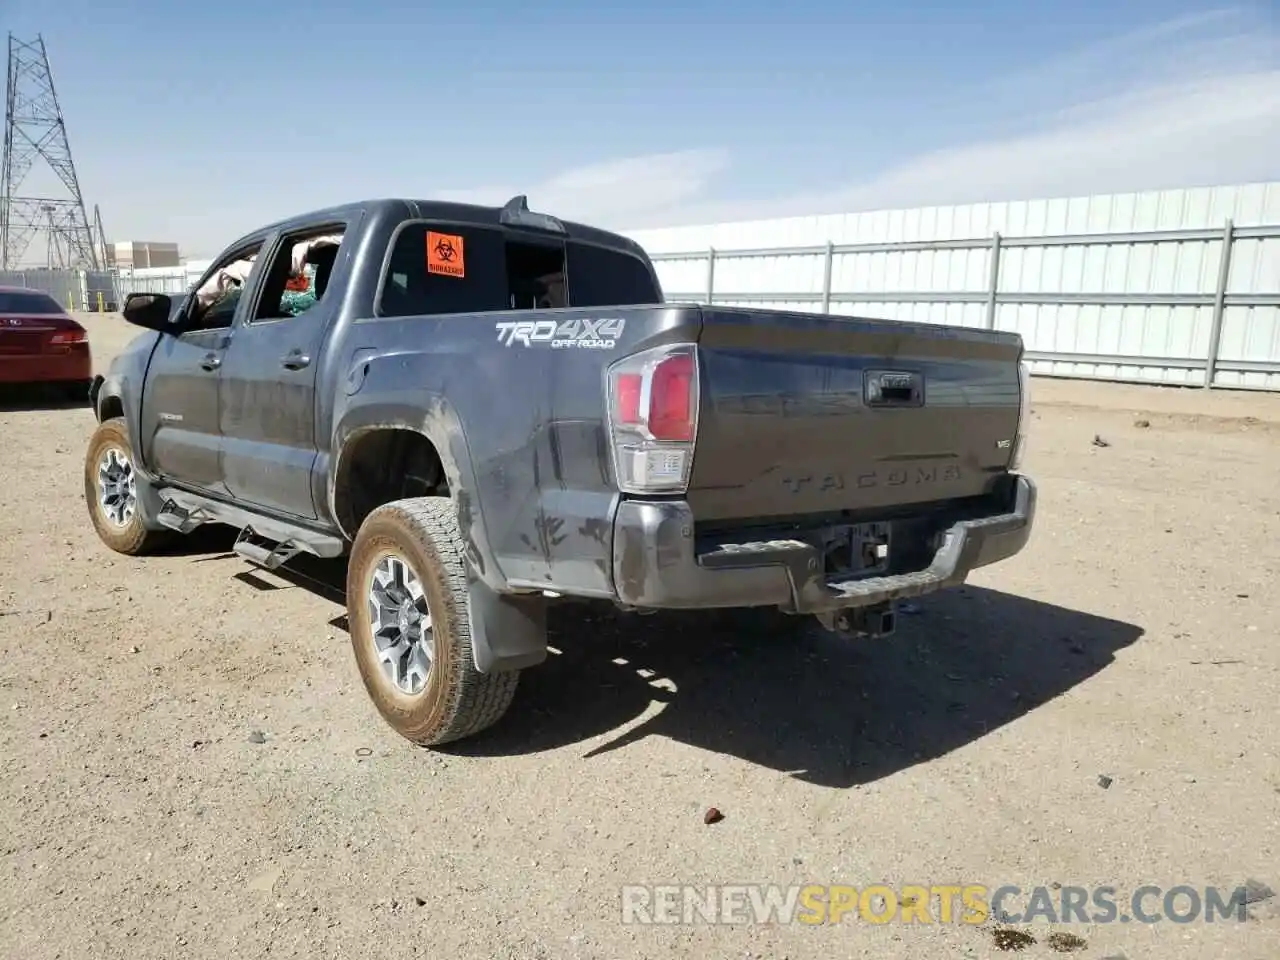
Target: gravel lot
(1135, 638)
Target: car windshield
(14, 301)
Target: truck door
(179, 417)
(268, 378)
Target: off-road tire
(137, 537)
(457, 700)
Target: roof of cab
(410, 209)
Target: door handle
(210, 361)
(295, 360)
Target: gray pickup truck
(488, 410)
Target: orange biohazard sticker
(445, 254)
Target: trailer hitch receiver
(877, 620)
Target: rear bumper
(75, 364)
(656, 565)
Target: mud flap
(507, 632)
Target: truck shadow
(779, 691)
(782, 693)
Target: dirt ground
(1135, 639)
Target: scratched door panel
(179, 417)
(268, 412)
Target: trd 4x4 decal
(579, 333)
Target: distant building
(140, 254)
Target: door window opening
(214, 302)
(300, 274)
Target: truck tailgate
(805, 414)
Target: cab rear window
(462, 269)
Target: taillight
(653, 418)
(671, 398)
(68, 336)
(628, 390)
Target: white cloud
(1185, 106)
(1215, 131)
(612, 191)
(1193, 101)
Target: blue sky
(195, 123)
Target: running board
(180, 518)
(266, 553)
(183, 511)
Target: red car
(40, 344)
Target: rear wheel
(407, 609)
(111, 492)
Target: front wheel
(407, 608)
(111, 492)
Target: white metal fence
(1193, 307)
(158, 280)
(98, 291)
(1196, 307)
(1172, 287)
(88, 290)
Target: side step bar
(180, 518)
(265, 541)
(263, 551)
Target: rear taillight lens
(67, 336)
(653, 419)
(671, 398)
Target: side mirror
(151, 311)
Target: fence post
(826, 276)
(1219, 306)
(993, 285)
(711, 275)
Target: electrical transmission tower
(35, 131)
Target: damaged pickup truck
(489, 410)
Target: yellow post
(100, 305)
(71, 304)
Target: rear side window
(39, 304)
(604, 278)
(444, 269)
(461, 269)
